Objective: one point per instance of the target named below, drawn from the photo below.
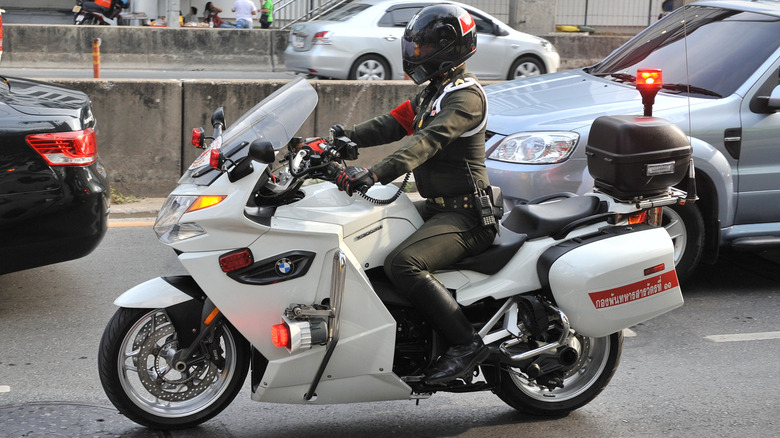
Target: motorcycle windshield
(277, 118)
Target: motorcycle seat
(495, 257)
(546, 219)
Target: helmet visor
(417, 53)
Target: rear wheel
(598, 360)
(685, 226)
(136, 369)
(370, 68)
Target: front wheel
(524, 67)
(135, 363)
(598, 360)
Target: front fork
(203, 347)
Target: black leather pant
(447, 236)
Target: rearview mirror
(262, 151)
(218, 118)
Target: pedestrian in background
(211, 15)
(192, 16)
(245, 11)
(267, 14)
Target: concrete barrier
(144, 126)
(153, 48)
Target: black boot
(445, 315)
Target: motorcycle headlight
(535, 147)
(167, 226)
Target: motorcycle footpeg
(413, 379)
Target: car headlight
(535, 147)
(548, 46)
(167, 226)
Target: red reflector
(280, 335)
(236, 260)
(654, 269)
(71, 148)
(638, 218)
(198, 137)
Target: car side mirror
(498, 31)
(772, 102)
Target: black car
(54, 194)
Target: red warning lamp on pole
(649, 82)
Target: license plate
(77, 9)
(298, 41)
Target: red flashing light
(649, 78)
(73, 148)
(655, 269)
(215, 158)
(649, 83)
(198, 137)
(236, 260)
(280, 335)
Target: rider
(446, 152)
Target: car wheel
(526, 66)
(370, 68)
(685, 226)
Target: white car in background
(362, 40)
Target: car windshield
(344, 12)
(723, 48)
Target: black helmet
(437, 38)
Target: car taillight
(73, 148)
(322, 37)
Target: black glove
(354, 179)
(336, 131)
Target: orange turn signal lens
(205, 201)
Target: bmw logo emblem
(284, 266)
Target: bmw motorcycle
(286, 280)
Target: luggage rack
(671, 196)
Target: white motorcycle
(286, 279)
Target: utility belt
(489, 204)
(454, 202)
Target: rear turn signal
(280, 335)
(73, 148)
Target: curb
(145, 208)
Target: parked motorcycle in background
(286, 279)
(99, 12)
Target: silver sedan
(362, 40)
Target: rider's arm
(461, 111)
